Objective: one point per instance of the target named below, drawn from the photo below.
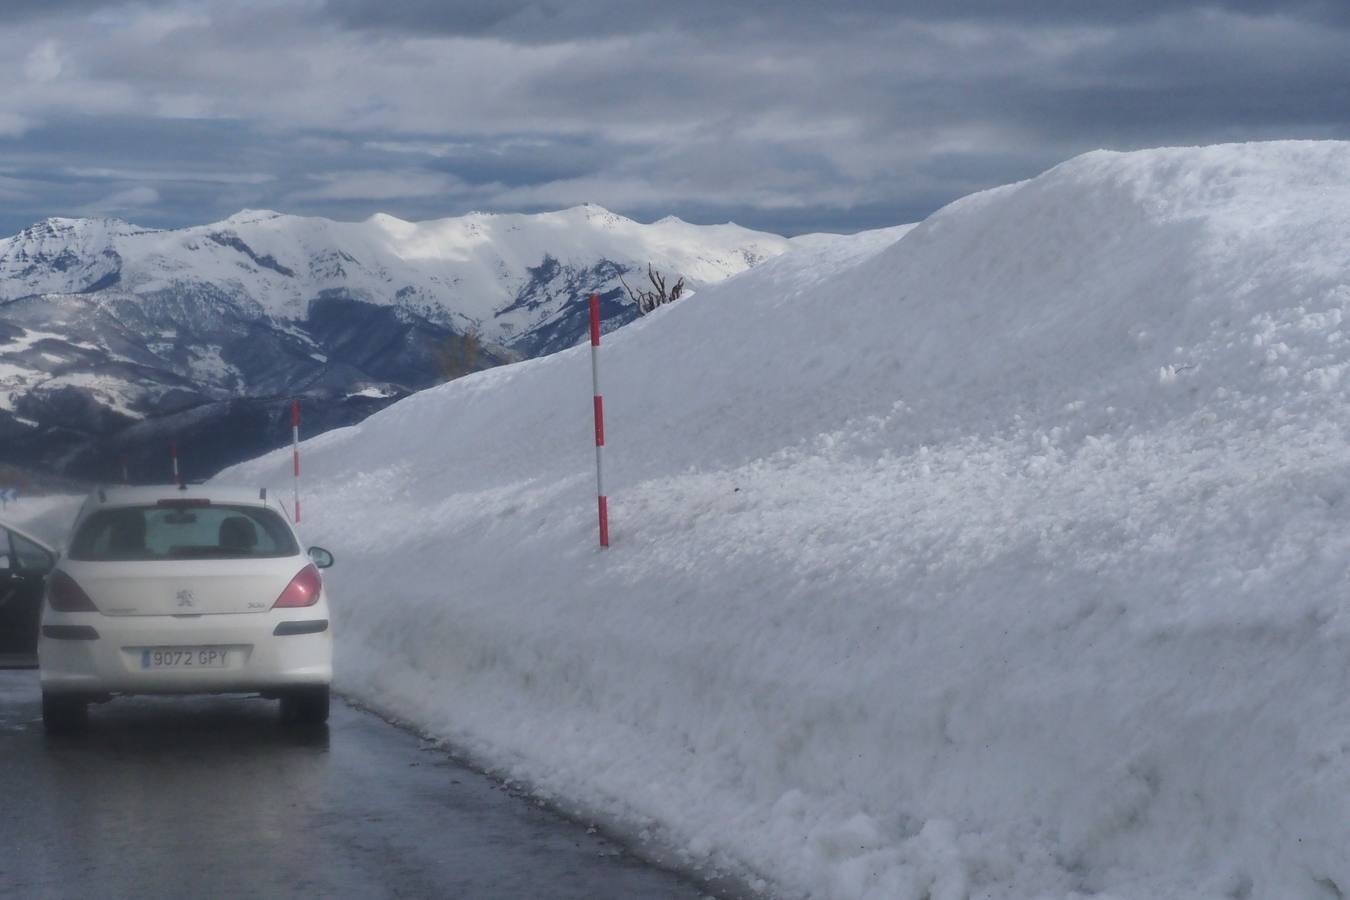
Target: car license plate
(184, 658)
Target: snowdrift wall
(1006, 559)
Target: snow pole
(173, 455)
(295, 452)
(126, 476)
(603, 501)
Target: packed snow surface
(1004, 559)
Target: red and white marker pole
(599, 422)
(173, 454)
(295, 452)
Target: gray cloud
(557, 20)
(789, 117)
(19, 10)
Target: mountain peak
(65, 229)
(592, 213)
(384, 218)
(250, 216)
(55, 224)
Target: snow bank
(47, 517)
(1007, 560)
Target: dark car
(24, 565)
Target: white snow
(468, 268)
(1007, 560)
(209, 365)
(110, 391)
(46, 517)
(81, 246)
(373, 393)
(14, 380)
(857, 244)
(28, 339)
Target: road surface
(170, 797)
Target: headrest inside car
(238, 533)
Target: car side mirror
(321, 558)
(4, 562)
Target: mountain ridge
(105, 324)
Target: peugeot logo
(185, 598)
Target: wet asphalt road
(210, 797)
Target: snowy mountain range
(116, 338)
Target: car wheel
(64, 715)
(307, 707)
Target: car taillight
(65, 595)
(303, 589)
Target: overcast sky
(789, 117)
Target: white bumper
(257, 660)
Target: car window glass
(28, 555)
(200, 532)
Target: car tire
(307, 707)
(64, 714)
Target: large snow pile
(1007, 560)
(47, 517)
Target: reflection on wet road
(170, 797)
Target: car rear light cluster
(65, 595)
(302, 591)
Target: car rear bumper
(94, 654)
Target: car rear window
(182, 532)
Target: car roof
(142, 495)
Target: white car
(171, 590)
